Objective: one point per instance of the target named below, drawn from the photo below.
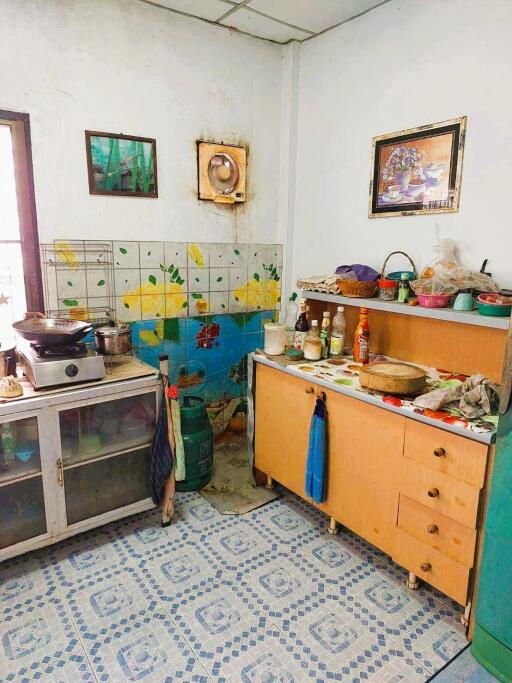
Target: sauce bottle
(325, 334)
(403, 288)
(313, 343)
(338, 333)
(362, 338)
(301, 327)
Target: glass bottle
(362, 338)
(313, 343)
(325, 334)
(339, 325)
(301, 327)
(403, 288)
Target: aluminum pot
(113, 340)
(7, 361)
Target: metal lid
(111, 331)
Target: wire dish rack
(78, 280)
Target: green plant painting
(121, 165)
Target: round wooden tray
(393, 378)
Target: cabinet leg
(333, 527)
(270, 482)
(464, 617)
(413, 582)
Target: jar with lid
(313, 343)
(388, 290)
(275, 337)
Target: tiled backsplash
(169, 279)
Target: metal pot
(113, 341)
(7, 361)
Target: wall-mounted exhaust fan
(221, 172)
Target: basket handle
(382, 273)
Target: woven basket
(396, 275)
(357, 289)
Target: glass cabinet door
(99, 429)
(22, 510)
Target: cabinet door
(365, 446)
(23, 514)
(283, 416)
(105, 445)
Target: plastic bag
(435, 278)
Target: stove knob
(71, 370)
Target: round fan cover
(223, 173)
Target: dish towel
(162, 461)
(316, 463)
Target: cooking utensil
(52, 332)
(113, 340)
(393, 378)
(7, 361)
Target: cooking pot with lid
(113, 340)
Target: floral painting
(418, 170)
(121, 165)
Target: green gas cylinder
(198, 444)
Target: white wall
(124, 66)
(407, 63)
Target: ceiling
(277, 20)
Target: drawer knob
(433, 493)
(426, 566)
(309, 390)
(439, 452)
(432, 528)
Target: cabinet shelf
(447, 314)
(21, 475)
(106, 456)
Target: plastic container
(434, 300)
(388, 290)
(275, 339)
(487, 304)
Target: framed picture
(121, 165)
(417, 171)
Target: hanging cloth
(162, 459)
(316, 469)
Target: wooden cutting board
(393, 378)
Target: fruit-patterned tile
(198, 254)
(152, 306)
(151, 254)
(219, 302)
(128, 308)
(127, 281)
(176, 305)
(237, 278)
(199, 279)
(71, 284)
(220, 254)
(126, 254)
(238, 255)
(219, 279)
(237, 300)
(99, 283)
(175, 254)
(151, 278)
(198, 302)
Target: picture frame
(417, 170)
(121, 165)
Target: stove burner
(74, 351)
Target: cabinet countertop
(285, 365)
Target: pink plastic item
(433, 300)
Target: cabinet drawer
(440, 571)
(438, 531)
(454, 455)
(438, 491)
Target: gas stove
(48, 367)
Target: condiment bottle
(403, 288)
(339, 325)
(325, 333)
(291, 315)
(313, 343)
(301, 327)
(362, 338)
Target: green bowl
(494, 309)
(397, 275)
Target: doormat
(232, 490)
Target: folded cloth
(474, 397)
(320, 283)
(362, 273)
(316, 466)
(161, 458)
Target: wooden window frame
(19, 124)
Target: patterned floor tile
(80, 557)
(24, 580)
(334, 639)
(216, 619)
(436, 640)
(464, 669)
(265, 658)
(36, 633)
(72, 668)
(393, 666)
(148, 647)
(387, 602)
(181, 568)
(279, 586)
(199, 515)
(276, 521)
(235, 543)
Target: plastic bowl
(434, 300)
(397, 275)
(502, 311)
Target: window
(20, 270)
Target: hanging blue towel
(316, 466)
(162, 460)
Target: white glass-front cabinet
(73, 460)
